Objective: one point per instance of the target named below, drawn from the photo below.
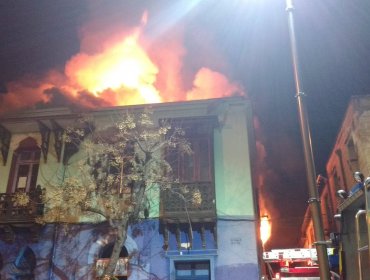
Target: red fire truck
(293, 264)
(352, 243)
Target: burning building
(216, 237)
(213, 239)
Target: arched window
(26, 259)
(23, 266)
(108, 249)
(121, 271)
(25, 166)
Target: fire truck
(295, 264)
(349, 257)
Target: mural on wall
(23, 266)
(70, 252)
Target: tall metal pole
(313, 201)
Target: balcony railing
(189, 200)
(121, 269)
(13, 214)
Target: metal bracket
(323, 242)
(312, 200)
(289, 5)
(300, 94)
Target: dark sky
(245, 40)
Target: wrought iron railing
(12, 213)
(189, 200)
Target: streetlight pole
(313, 201)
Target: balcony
(15, 218)
(354, 202)
(194, 201)
(121, 270)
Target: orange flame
(123, 67)
(265, 229)
(120, 71)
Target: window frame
(28, 145)
(193, 259)
(197, 131)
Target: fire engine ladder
(363, 245)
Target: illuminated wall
(234, 193)
(230, 247)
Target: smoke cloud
(122, 65)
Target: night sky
(247, 41)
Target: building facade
(215, 240)
(328, 205)
(347, 215)
(350, 154)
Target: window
(352, 155)
(328, 210)
(194, 167)
(198, 166)
(25, 264)
(122, 265)
(337, 180)
(25, 166)
(192, 270)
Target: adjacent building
(350, 154)
(339, 214)
(215, 240)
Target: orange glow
(265, 229)
(121, 69)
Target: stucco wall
(237, 251)
(70, 252)
(234, 194)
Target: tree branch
(93, 210)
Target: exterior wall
(234, 193)
(352, 147)
(350, 154)
(327, 212)
(237, 250)
(71, 254)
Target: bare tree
(117, 165)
